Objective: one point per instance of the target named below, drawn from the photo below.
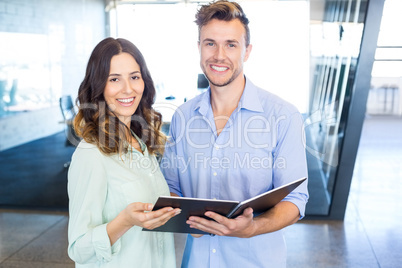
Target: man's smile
(219, 68)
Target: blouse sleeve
(87, 190)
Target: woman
(114, 176)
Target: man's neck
(225, 99)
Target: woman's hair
(96, 123)
(222, 10)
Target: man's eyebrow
(232, 41)
(227, 41)
(208, 40)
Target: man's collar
(249, 99)
(204, 102)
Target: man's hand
(242, 226)
(283, 214)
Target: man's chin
(219, 82)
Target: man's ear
(248, 51)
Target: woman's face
(124, 87)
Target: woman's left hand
(138, 214)
(141, 214)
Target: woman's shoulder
(86, 145)
(87, 151)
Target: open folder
(231, 209)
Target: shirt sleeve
(290, 159)
(87, 190)
(170, 160)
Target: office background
(339, 63)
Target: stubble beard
(235, 74)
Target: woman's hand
(140, 214)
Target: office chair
(68, 112)
(202, 82)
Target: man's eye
(210, 44)
(232, 45)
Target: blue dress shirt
(261, 147)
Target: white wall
(279, 61)
(167, 36)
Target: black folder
(231, 209)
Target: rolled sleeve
(87, 190)
(101, 244)
(300, 200)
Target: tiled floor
(370, 235)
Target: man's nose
(220, 53)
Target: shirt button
(215, 173)
(214, 251)
(217, 147)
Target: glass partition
(336, 35)
(30, 75)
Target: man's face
(223, 51)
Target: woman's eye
(114, 80)
(135, 77)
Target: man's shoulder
(195, 100)
(271, 101)
(191, 105)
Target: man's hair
(222, 10)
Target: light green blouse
(99, 188)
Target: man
(233, 142)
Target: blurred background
(338, 61)
(307, 52)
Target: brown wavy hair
(96, 123)
(222, 10)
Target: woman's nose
(127, 87)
